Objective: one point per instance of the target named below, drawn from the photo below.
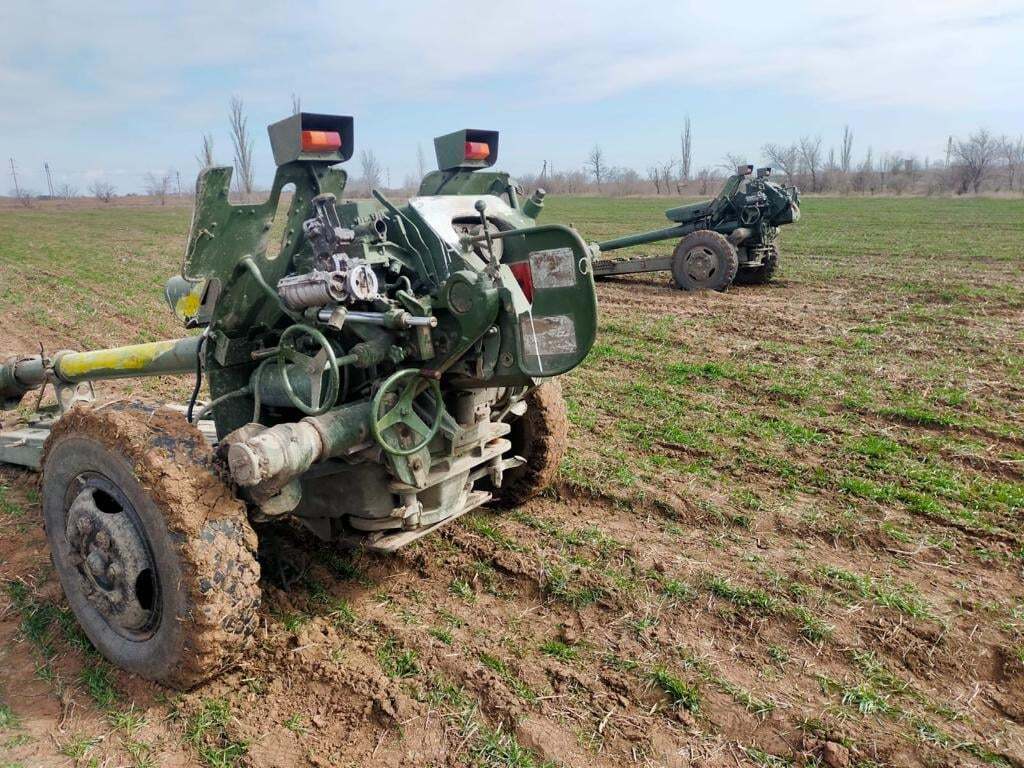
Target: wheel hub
(111, 554)
(701, 264)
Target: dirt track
(720, 609)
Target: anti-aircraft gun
(732, 238)
(388, 369)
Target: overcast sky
(113, 90)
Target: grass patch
(561, 584)
(681, 373)
(98, 681)
(556, 649)
(128, 721)
(511, 679)
(396, 661)
(8, 720)
(79, 746)
(681, 693)
(748, 598)
(810, 626)
(882, 592)
(207, 731)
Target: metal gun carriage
(731, 238)
(390, 368)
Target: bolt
(96, 564)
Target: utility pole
(178, 174)
(14, 175)
(49, 178)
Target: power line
(14, 175)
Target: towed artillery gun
(386, 371)
(731, 238)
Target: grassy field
(787, 532)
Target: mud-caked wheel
(762, 273)
(704, 260)
(154, 552)
(540, 436)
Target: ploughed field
(787, 531)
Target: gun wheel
(704, 260)
(761, 274)
(154, 552)
(540, 436)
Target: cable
(199, 375)
(210, 406)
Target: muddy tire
(153, 550)
(761, 274)
(540, 436)
(704, 261)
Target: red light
(321, 141)
(477, 150)
(524, 276)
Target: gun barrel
(669, 233)
(158, 358)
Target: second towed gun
(731, 238)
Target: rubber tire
(761, 274)
(202, 545)
(724, 251)
(540, 436)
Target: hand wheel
(313, 367)
(402, 413)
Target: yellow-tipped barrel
(157, 358)
(19, 376)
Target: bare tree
(1013, 156)
(67, 191)
(885, 165)
(783, 158)
(421, 161)
(243, 142)
(158, 186)
(862, 179)
(685, 150)
(974, 158)
(846, 151)
(732, 161)
(655, 175)
(901, 172)
(810, 155)
(371, 169)
(296, 104)
(23, 196)
(595, 163)
(704, 176)
(102, 191)
(205, 156)
(666, 169)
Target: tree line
(979, 163)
